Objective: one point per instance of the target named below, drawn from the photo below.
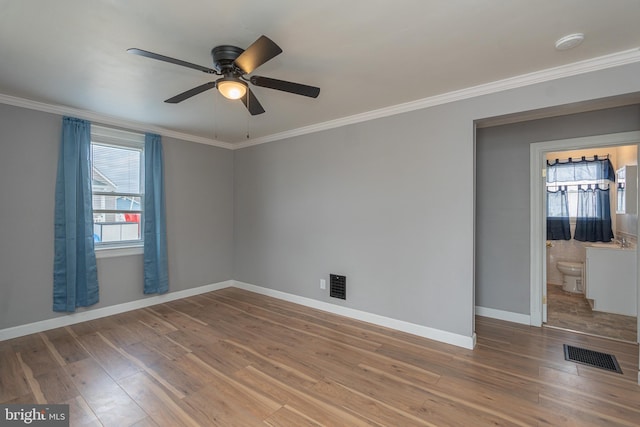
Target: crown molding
(108, 120)
(595, 64)
(603, 62)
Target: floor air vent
(338, 286)
(591, 358)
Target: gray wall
(389, 203)
(362, 201)
(502, 198)
(199, 197)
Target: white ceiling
(363, 54)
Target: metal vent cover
(338, 286)
(596, 359)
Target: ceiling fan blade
(253, 104)
(159, 57)
(257, 54)
(191, 92)
(297, 88)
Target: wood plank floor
(572, 311)
(235, 358)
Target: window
(117, 185)
(575, 174)
(580, 189)
(572, 193)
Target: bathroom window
(572, 190)
(579, 190)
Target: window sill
(118, 251)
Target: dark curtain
(558, 215)
(75, 272)
(156, 273)
(573, 170)
(593, 222)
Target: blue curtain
(558, 215)
(75, 274)
(593, 222)
(156, 276)
(573, 170)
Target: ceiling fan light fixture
(231, 87)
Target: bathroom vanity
(611, 278)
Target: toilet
(571, 276)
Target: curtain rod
(568, 187)
(593, 158)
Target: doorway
(550, 303)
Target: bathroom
(578, 299)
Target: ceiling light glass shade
(232, 88)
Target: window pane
(115, 169)
(116, 227)
(117, 202)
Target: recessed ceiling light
(567, 42)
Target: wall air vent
(338, 286)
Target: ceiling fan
(233, 64)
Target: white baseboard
(91, 314)
(400, 325)
(509, 316)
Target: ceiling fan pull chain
(248, 118)
(215, 118)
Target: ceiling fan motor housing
(223, 57)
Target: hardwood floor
(235, 358)
(572, 311)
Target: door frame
(538, 202)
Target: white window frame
(120, 138)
